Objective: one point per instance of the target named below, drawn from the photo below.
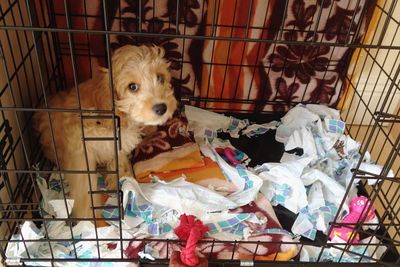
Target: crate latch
(13, 261)
(246, 263)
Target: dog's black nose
(160, 109)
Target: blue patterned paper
(234, 124)
(145, 212)
(210, 135)
(243, 174)
(258, 131)
(230, 225)
(335, 126)
(328, 211)
(282, 193)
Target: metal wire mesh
(42, 46)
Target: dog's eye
(133, 87)
(160, 78)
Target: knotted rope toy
(191, 230)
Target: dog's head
(143, 84)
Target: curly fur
(130, 64)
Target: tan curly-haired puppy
(142, 96)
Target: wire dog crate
(251, 58)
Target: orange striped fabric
(233, 69)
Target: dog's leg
(79, 188)
(125, 166)
(124, 169)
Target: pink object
(191, 230)
(229, 153)
(358, 207)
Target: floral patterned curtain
(266, 76)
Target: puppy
(143, 96)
